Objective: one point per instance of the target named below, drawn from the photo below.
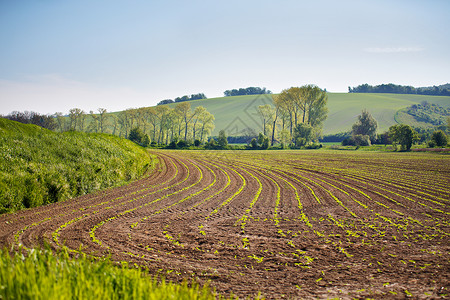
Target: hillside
(237, 113)
(39, 166)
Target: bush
(361, 140)
(145, 141)
(136, 135)
(439, 138)
(182, 144)
(211, 145)
(265, 144)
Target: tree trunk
(273, 129)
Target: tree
(184, 109)
(265, 143)
(93, 125)
(404, 135)
(222, 140)
(365, 125)
(261, 137)
(136, 135)
(254, 143)
(75, 116)
(145, 141)
(303, 134)
(60, 121)
(207, 120)
(439, 138)
(284, 137)
(102, 119)
(266, 113)
(198, 115)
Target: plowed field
(294, 224)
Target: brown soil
(282, 224)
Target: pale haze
(57, 55)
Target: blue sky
(56, 55)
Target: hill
(39, 166)
(234, 114)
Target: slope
(39, 166)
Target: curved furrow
(59, 215)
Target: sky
(57, 55)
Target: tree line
(159, 125)
(31, 117)
(246, 91)
(227, 93)
(364, 133)
(183, 99)
(442, 90)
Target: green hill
(39, 166)
(237, 113)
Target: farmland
(283, 223)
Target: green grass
(237, 113)
(40, 274)
(39, 166)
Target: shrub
(136, 135)
(361, 140)
(145, 141)
(439, 138)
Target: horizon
(117, 56)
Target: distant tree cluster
(183, 99)
(246, 91)
(299, 112)
(164, 125)
(428, 113)
(31, 117)
(364, 134)
(191, 97)
(441, 90)
(167, 101)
